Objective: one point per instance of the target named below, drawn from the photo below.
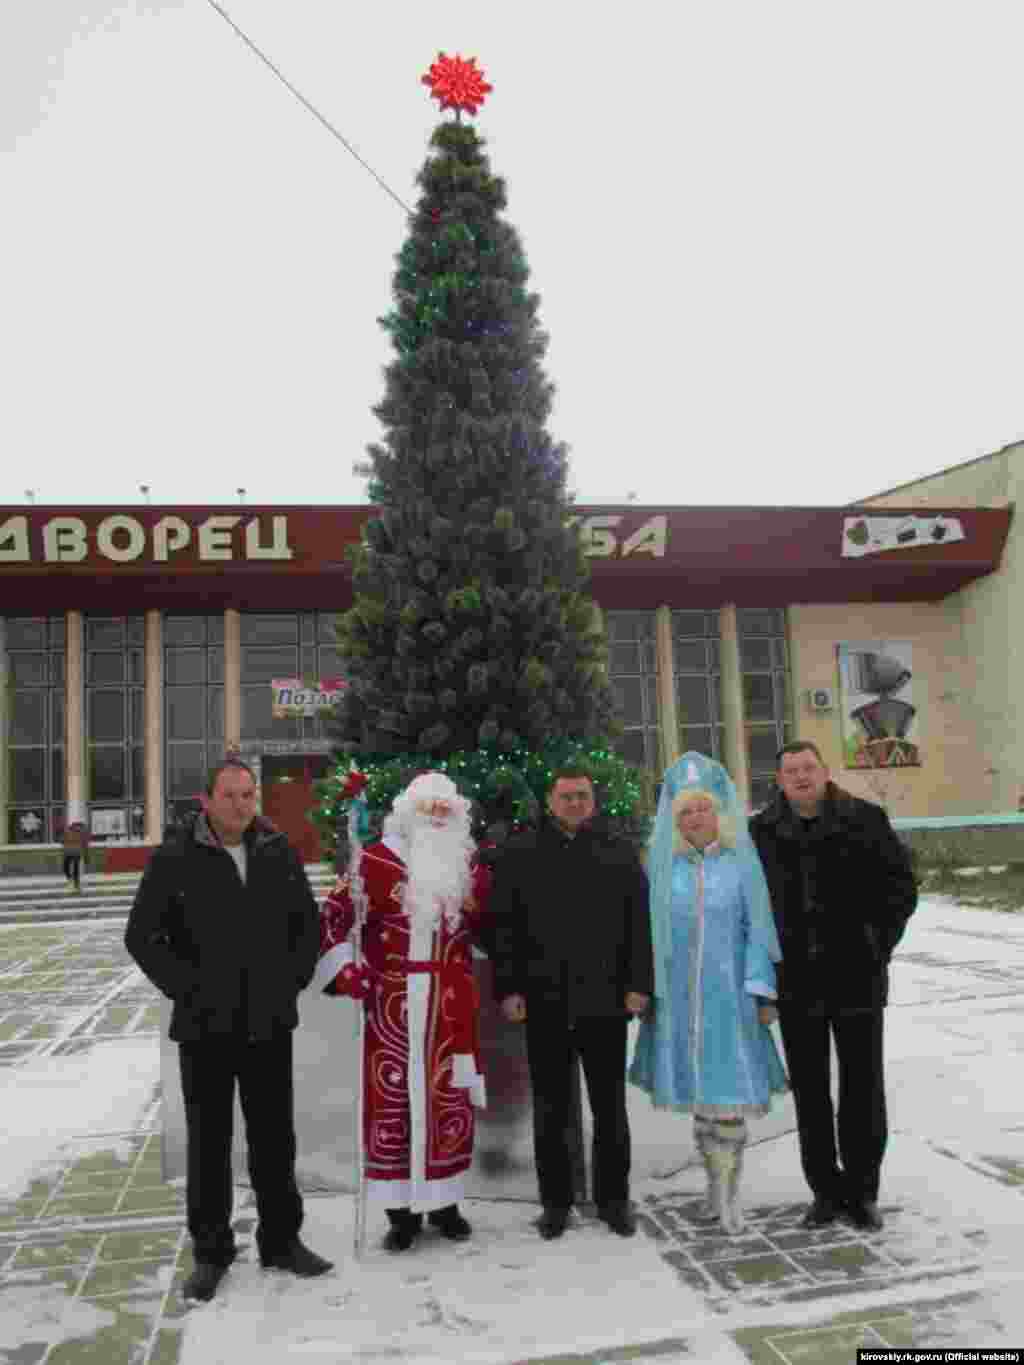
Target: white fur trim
(428, 1194)
(340, 955)
(417, 1000)
(465, 1076)
(760, 988)
(396, 845)
(432, 787)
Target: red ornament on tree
(355, 784)
(457, 84)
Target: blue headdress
(697, 772)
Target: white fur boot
(704, 1137)
(728, 1143)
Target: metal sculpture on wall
(878, 715)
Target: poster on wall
(108, 824)
(864, 535)
(294, 697)
(878, 716)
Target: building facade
(139, 644)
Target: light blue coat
(709, 1052)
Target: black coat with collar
(842, 891)
(570, 922)
(231, 957)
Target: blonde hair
(726, 827)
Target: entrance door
(288, 798)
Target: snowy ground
(946, 1271)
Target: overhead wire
(321, 118)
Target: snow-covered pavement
(92, 1249)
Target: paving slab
(93, 1249)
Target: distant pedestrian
(76, 848)
(842, 890)
(225, 924)
(706, 1048)
(572, 961)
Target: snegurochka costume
(702, 1049)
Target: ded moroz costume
(424, 897)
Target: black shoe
(406, 1227)
(864, 1214)
(450, 1223)
(299, 1260)
(552, 1223)
(202, 1284)
(619, 1217)
(821, 1213)
(402, 1236)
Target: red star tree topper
(457, 84)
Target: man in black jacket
(572, 960)
(225, 924)
(842, 891)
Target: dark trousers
(73, 867)
(552, 1048)
(263, 1073)
(861, 1121)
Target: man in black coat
(572, 960)
(842, 890)
(225, 924)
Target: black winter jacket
(842, 891)
(232, 957)
(570, 924)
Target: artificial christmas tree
(471, 633)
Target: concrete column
(668, 715)
(153, 758)
(5, 725)
(735, 736)
(232, 678)
(600, 622)
(74, 741)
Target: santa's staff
(345, 951)
(357, 826)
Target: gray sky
(778, 244)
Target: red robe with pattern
(421, 1075)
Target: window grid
(115, 725)
(764, 666)
(35, 648)
(696, 668)
(193, 707)
(633, 674)
(285, 645)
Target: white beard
(437, 863)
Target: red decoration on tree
(457, 84)
(355, 784)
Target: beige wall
(989, 610)
(953, 778)
(985, 482)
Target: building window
(36, 793)
(293, 645)
(115, 675)
(764, 664)
(193, 707)
(696, 666)
(633, 673)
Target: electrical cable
(302, 100)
